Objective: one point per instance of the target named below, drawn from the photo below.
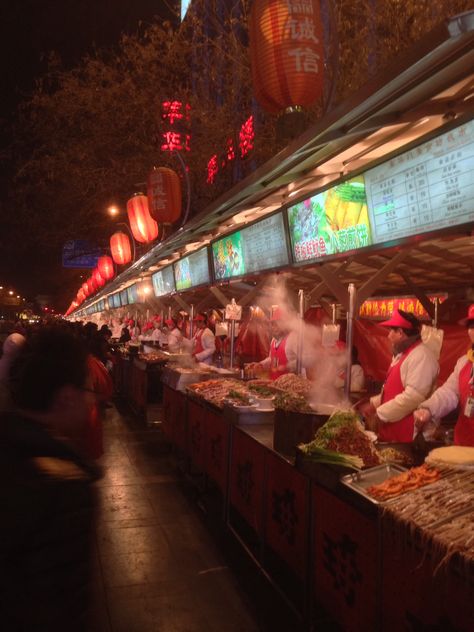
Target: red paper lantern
(286, 51)
(144, 228)
(98, 278)
(164, 195)
(92, 285)
(105, 266)
(120, 248)
(81, 295)
(86, 289)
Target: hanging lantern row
(161, 205)
(105, 266)
(143, 226)
(164, 195)
(120, 248)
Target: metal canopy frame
(420, 95)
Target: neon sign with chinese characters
(176, 118)
(245, 144)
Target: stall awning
(424, 91)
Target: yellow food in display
(351, 217)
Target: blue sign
(78, 253)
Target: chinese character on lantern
(246, 137)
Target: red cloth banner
(382, 308)
(197, 435)
(217, 447)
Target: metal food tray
(363, 479)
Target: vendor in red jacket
(204, 343)
(410, 379)
(457, 390)
(283, 347)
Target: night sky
(32, 28)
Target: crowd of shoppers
(54, 386)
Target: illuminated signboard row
(163, 281)
(422, 190)
(255, 248)
(192, 270)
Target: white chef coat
(418, 373)
(446, 397)
(209, 346)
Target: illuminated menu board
(424, 189)
(192, 270)
(335, 220)
(261, 246)
(163, 281)
(132, 294)
(123, 297)
(116, 299)
(110, 301)
(427, 188)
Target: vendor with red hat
(283, 347)
(410, 379)
(204, 343)
(457, 390)
(173, 335)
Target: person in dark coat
(46, 492)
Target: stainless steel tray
(360, 481)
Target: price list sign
(261, 246)
(163, 281)
(192, 271)
(425, 189)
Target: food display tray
(360, 481)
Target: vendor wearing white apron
(457, 390)
(410, 379)
(203, 340)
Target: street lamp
(113, 211)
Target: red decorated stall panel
(345, 562)
(416, 595)
(168, 407)
(247, 478)
(138, 389)
(217, 447)
(287, 513)
(174, 417)
(180, 426)
(197, 438)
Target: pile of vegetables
(241, 399)
(261, 391)
(329, 457)
(342, 434)
(292, 403)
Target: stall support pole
(191, 322)
(232, 338)
(299, 355)
(349, 337)
(435, 319)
